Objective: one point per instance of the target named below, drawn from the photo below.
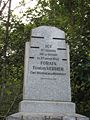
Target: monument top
(48, 32)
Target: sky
(16, 6)
(17, 9)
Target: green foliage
(71, 16)
(11, 84)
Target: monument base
(47, 107)
(45, 116)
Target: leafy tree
(11, 87)
(71, 16)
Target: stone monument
(47, 91)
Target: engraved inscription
(49, 62)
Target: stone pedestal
(45, 116)
(47, 107)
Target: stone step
(45, 116)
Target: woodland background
(71, 16)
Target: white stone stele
(47, 45)
(47, 91)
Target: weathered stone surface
(81, 117)
(47, 107)
(69, 118)
(47, 72)
(45, 116)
